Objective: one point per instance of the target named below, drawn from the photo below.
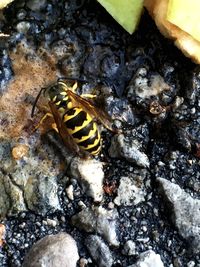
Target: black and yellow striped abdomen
(83, 130)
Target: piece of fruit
(126, 12)
(158, 10)
(185, 15)
(4, 3)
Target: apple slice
(126, 12)
(4, 3)
(186, 15)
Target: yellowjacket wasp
(75, 116)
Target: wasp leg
(74, 87)
(47, 115)
(88, 96)
(54, 127)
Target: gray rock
(148, 259)
(129, 248)
(90, 174)
(98, 220)
(131, 146)
(27, 184)
(185, 212)
(23, 27)
(36, 5)
(42, 196)
(99, 251)
(130, 191)
(11, 197)
(53, 251)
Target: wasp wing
(66, 137)
(89, 107)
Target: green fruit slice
(126, 12)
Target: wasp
(75, 117)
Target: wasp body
(74, 117)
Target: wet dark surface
(97, 49)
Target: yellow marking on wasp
(54, 98)
(48, 114)
(78, 128)
(61, 110)
(92, 145)
(74, 87)
(69, 117)
(88, 96)
(58, 103)
(85, 137)
(65, 98)
(63, 93)
(97, 151)
(54, 127)
(69, 105)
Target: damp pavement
(137, 203)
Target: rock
(99, 251)
(41, 194)
(148, 259)
(70, 192)
(98, 220)
(130, 191)
(90, 174)
(146, 87)
(129, 248)
(131, 145)
(36, 5)
(23, 27)
(185, 212)
(11, 197)
(121, 148)
(53, 251)
(27, 183)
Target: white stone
(128, 193)
(148, 259)
(90, 174)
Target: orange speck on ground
(32, 71)
(2, 234)
(19, 151)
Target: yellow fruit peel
(126, 12)
(158, 9)
(186, 15)
(4, 3)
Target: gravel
(135, 204)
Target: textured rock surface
(185, 213)
(130, 191)
(99, 251)
(53, 251)
(24, 186)
(98, 220)
(148, 259)
(131, 146)
(90, 174)
(141, 81)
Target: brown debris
(110, 188)
(2, 234)
(31, 72)
(19, 151)
(156, 108)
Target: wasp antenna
(36, 100)
(72, 79)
